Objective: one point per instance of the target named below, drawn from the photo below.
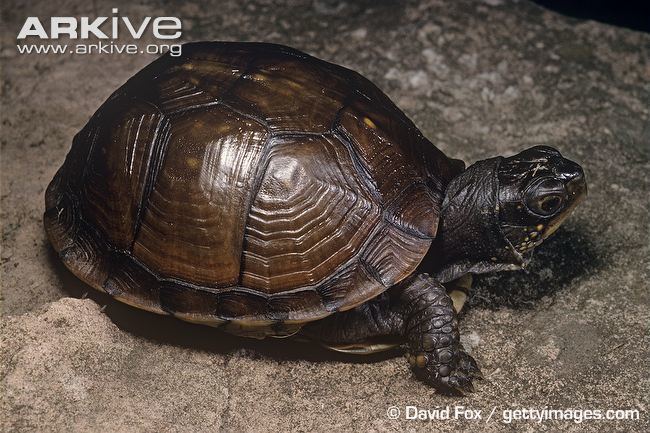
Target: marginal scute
(299, 306)
(86, 256)
(133, 284)
(243, 306)
(260, 327)
(353, 286)
(61, 216)
(188, 301)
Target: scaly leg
(420, 313)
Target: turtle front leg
(431, 329)
(420, 313)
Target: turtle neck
(469, 238)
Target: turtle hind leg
(372, 327)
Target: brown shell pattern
(247, 185)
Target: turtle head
(498, 210)
(537, 190)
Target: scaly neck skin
(469, 238)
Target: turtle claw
(460, 385)
(460, 380)
(444, 378)
(468, 364)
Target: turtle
(255, 188)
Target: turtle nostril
(570, 171)
(574, 179)
(577, 187)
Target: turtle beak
(576, 187)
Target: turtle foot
(450, 378)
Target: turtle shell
(248, 185)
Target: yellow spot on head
(369, 122)
(539, 227)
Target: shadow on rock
(167, 330)
(561, 259)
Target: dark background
(631, 14)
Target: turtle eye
(550, 204)
(545, 197)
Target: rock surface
(480, 78)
